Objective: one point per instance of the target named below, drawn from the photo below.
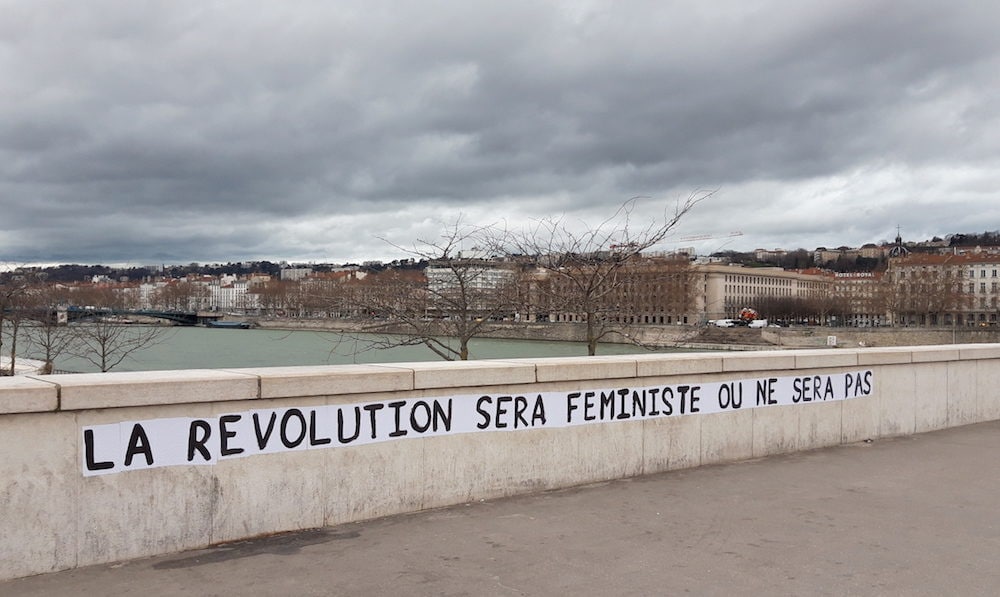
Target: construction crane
(709, 236)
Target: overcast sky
(173, 130)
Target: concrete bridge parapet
(113, 466)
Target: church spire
(898, 250)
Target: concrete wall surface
(60, 509)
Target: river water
(207, 348)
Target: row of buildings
(919, 289)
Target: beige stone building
(918, 289)
(672, 291)
(722, 290)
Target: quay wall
(687, 335)
(69, 499)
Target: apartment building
(955, 289)
(722, 290)
(483, 287)
(769, 255)
(653, 290)
(676, 291)
(859, 299)
(478, 274)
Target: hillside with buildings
(950, 281)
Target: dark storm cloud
(212, 131)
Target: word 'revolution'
(136, 445)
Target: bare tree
(584, 273)
(826, 306)
(924, 296)
(48, 340)
(47, 337)
(103, 296)
(181, 296)
(107, 341)
(28, 318)
(454, 300)
(274, 295)
(14, 292)
(786, 309)
(107, 338)
(320, 297)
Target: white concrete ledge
(836, 357)
(884, 356)
(458, 374)
(27, 395)
(690, 363)
(968, 352)
(114, 390)
(80, 391)
(759, 361)
(584, 368)
(329, 380)
(930, 354)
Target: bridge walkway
(909, 516)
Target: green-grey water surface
(207, 348)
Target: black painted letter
(88, 442)
(138, 443)
(225, 434)
(198, 443)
